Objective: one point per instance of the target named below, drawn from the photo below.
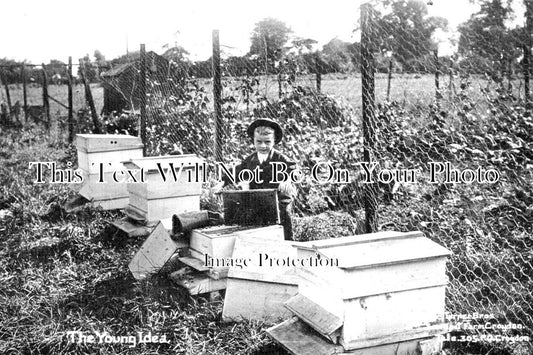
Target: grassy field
(68, 272)
(409, 89)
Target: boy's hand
(218, 188)
(287, 189)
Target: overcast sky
(40, 30)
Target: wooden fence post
(527, 55)
(8, 95)
(142, 87)
(70, 104)
(3, 108)
(89, 98)
(318, 69)
(451, 86)
(389, 79)
(25, 92)
(217, 93)
(437, 83)
(368, 97)
(46, 101)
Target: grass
(410, 89)
(62, 272)
(68, 272)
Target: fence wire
(465, 113)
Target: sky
(38, 31)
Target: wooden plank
(111, 204)
(251, 207)
(409, 347)
(195, 263)
(135, 214)
(213, 272)
(398, 337)
(157, 249)
(131, 229)
(197, 283)
(317, 317)
(256, 300)
(300, 339)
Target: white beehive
(218, 242)
(157, 198)
(259, 290)
(388, 287)
(99, 153)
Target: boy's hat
(267, 122)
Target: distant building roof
(116, 70)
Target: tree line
(403, 36)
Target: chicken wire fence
(460, 127)
(394, 98)
(450, 136)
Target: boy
(265, 134)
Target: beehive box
(218, 242)
(99, 153)
(258, 290)
(162, 192)
(388, 287)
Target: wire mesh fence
(449, 136)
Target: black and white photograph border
(282, 177)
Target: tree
(407, 31)
(268, 38)
(340, 56)
(90, 70)
(485, 39)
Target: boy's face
(263, 143)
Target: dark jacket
(252, 161)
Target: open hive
(387, 288)
(99, 157)
(171, 184)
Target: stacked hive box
(164, 193)
(99, 156)
(218, 242)
(258, 289)
(387, 288)
(211, 252)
